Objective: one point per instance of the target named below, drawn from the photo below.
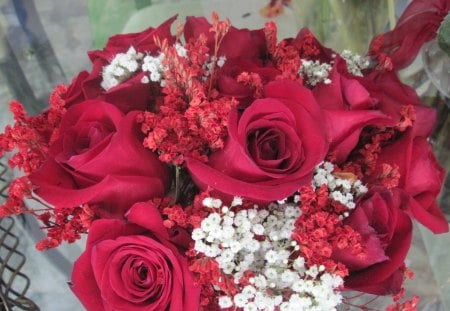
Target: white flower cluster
(260, 241)
(124, 65)
(154, 65)
(209, 66)
(355, 62)
(314, 72)
(344, 191)
(121, 68)
(155, 68)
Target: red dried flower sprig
(319, 230)
(29, 138)
(189, 121)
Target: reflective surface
(44, 43)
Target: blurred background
(44, 43)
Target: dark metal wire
(13, 283)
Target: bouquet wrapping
(216, 168)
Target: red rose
(128, 95)
(350, 106)
(271, 149)
(135, 266)
(228, 85)
(347, 103)
(245, 51)
(386, 233)
(99, 158)
(417, 25)
(421, 176)
(237, 43)
(390, 94)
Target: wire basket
(13, 283)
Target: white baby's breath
(314, 72)
(344, 191)
(121, 68)
(232, 239)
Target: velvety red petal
(372, 279)
(91, 85)
(130, 95)
(125, 148)
(83, 283)
(309, 119)
(418, 24)
(110, 229)
(243, 43)
(195, 26)
(345, 126)
(91, 111)
(356, 96)
(371, 243)
(148, 216)
(146, 40)
(431, 217)
(425, 173)
(115, 193)
(329, 96)
(74, 93)
(271, 190)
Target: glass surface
(44, 43)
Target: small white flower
(181, 50)
(240, 300)
(258, 229)
(249, 291)
(271, 257)
(198, 234)
(260, 281)
(235, 246)
(225, 302)
(299, 264)
(212, 251)
(315, 72)
(215, 218)
(220, 62)
(355, 63)
(227, 220)
(251, 307)
(288, 277)
(227, 232)
(200, 246)
(271, 273)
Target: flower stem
(391, 13)
(177, 183)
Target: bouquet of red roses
(218, 168)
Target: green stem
(177, 182)
(391, 13)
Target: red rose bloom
(272, 147)
(350, 106)
(421, 176)
(99, 158)
(128, 95)
(245, 51)
(417, 25)
(386, 233)
(237, 43)
(227, 78)
(135, 266)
